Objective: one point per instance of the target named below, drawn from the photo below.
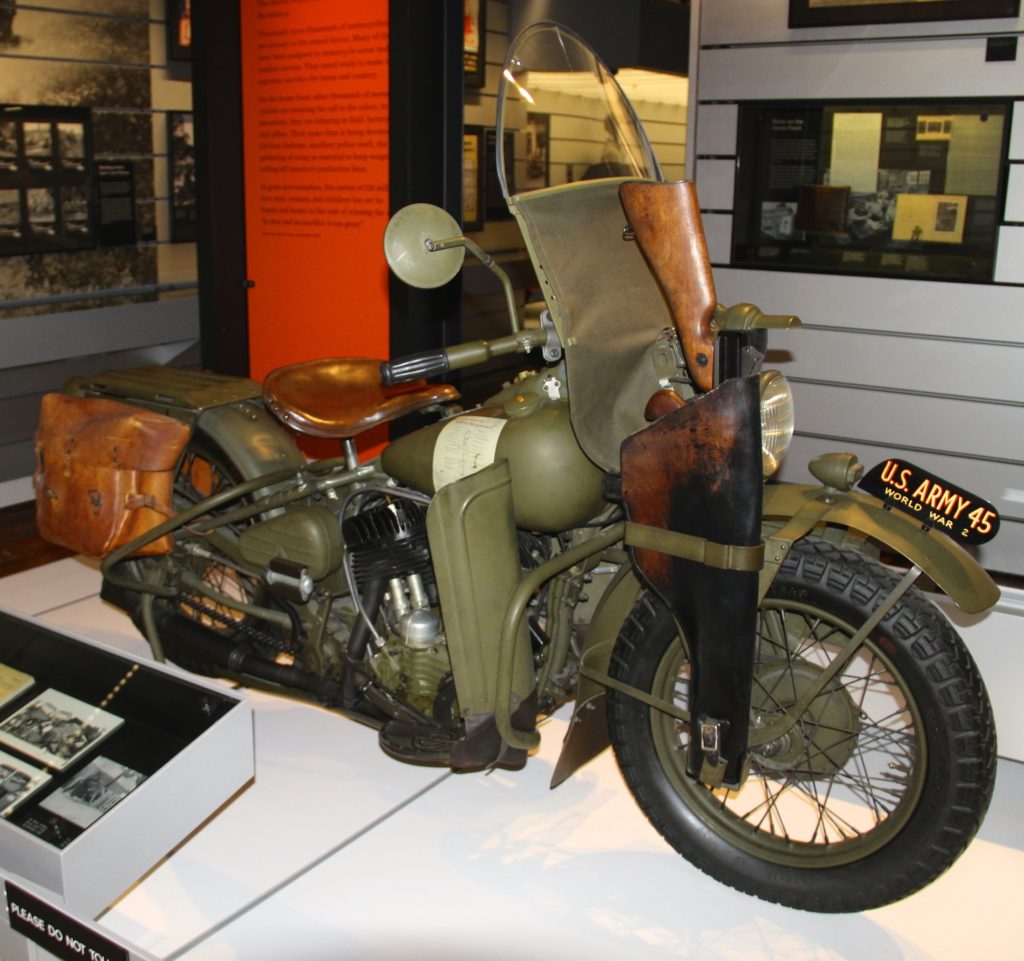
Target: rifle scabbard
(666, 222)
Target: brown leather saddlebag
(104, 473)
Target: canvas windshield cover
(605, 303)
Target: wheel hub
(823, 737)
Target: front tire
(877, 788)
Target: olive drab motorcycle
(796, 718)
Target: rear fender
(227, 409)
(254, 441)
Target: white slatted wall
(927, 369)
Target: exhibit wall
(97, 260)
(922, 361)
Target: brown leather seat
(342, 397)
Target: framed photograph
(179, 30)
(71, 146)
(473, 158)
(842, 13)
(9, 146)
(42, 211)
(934, 218)
(57, 729)
(474, 43)
(11, 225)
(93, 791)
(181, 167)
(39, 145)
(47, 192)
(12, 681)
(18, 782)
(495, 207)
(537, 151)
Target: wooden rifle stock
(665, 218)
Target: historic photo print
(93, 791)
(18, 781)
(56, 729)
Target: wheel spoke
(841, 757)
(773, 625)
(856, 738)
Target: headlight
(776, 420)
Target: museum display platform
(335, 851)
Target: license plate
(933, 501)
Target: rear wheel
(206, 470)
(878, 785)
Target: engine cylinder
(388, 541)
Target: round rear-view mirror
(408, 252)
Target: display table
(335, 851)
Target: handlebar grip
(430, 363)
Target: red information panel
(315, 111)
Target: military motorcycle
(789, 710)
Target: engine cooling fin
(388, 540)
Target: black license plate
(935, 502)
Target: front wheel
(878, 786)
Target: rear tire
(877, 788)
(206, 470)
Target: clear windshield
(565, 116)
(576, 140)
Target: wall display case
(473, 177)
(830, 13)
(871, 187)
(482, 201)
(106, 763)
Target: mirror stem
(488, 261)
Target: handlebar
(742, 317)
(433, 363)
(430, 363)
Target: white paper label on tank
(464, 446)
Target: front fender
(942, 559)
(951, 568)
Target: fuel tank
(555, 486)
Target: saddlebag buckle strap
(726, 557)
